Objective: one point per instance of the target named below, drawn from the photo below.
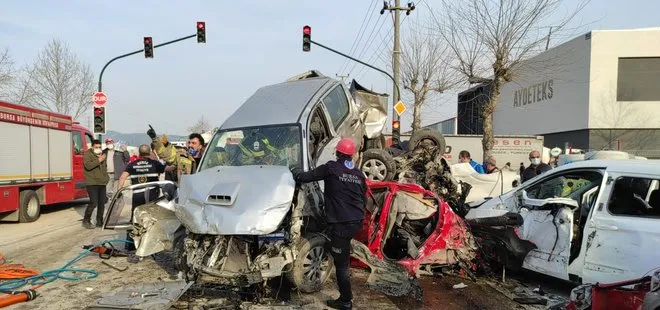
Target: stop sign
(99, 98)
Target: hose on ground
(19, 276)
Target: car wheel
(313, 265)
(30, 208)
(427, 135)
(378, 165)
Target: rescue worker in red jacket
(345, 197)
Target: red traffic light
(98, 111)
(395, 124)
(307, 30)
(201, 25)
(147, 40)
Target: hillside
(135, 139)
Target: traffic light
(396, 133)
(307, 38)
(99, 120)
(201, 32)
(148, 47)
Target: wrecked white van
(590, 221)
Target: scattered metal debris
(151, 296)
(387, 277)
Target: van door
(550, 208)
(344, 119)
(78, 144)
(624, 230)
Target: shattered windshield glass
(268, 145)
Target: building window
(638, 78)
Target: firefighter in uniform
(257, 149)
(345, 197)
(180, 161)
(145, 169)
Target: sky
(249, 44)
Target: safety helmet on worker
(346, 146)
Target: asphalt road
(58, 236)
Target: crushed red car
(407, 227)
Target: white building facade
(598, 91)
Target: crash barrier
(66, 272)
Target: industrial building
(598, 91)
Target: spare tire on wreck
(429, 135)
(378, 165)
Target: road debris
(114, 267)
(387, 277)
(459, 285)
(152, 296)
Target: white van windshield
(269, 145)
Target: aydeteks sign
(533, 94)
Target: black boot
(87, 224)
(338, 304)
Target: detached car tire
(313, 265)
(427, 134)
(378, 165)
(30, 207)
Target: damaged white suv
(241, 219)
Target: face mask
(536, 161)
(110, 147)
(192, 151)
(97, 151)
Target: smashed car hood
(373, 109)
(244, 200)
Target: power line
(358, 36)
(368, 42)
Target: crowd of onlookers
(103, 168)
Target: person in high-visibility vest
(256, 148)
(178, 161)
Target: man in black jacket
(537, 167)
(345, 197)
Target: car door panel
(619, 247)
(548, 223)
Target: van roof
(280, 103)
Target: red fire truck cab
(41, 161)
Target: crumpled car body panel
(450, 235)
(484, 185)
(243, 200)
(372, 107)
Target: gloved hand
(151, 132)
(296, 170)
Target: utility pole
(396, 55)
(547, 43)
(342, 76)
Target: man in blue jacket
(464, 157)
(345, 197)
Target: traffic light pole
(133, 53)
(397, 96)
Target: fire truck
(41, 161)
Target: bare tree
(201, 126)
(6, 71)
(57, 81)
(425, 70)
(492, 39)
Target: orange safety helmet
(346, 146)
